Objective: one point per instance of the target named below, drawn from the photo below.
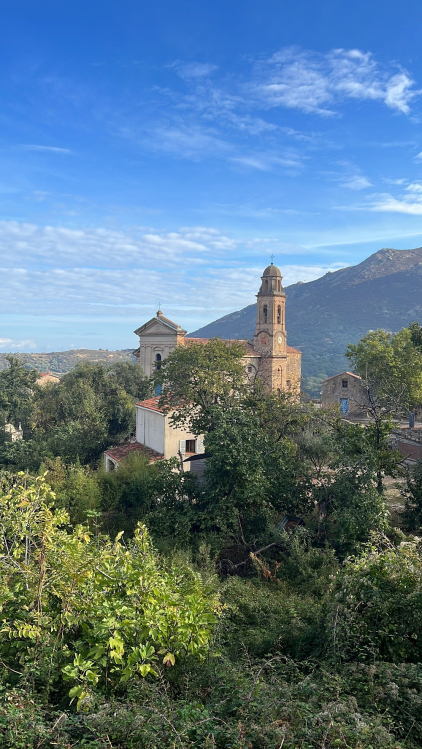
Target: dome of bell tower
(272, 270)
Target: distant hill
(63, 361)
(324, 316)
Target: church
(267, 356)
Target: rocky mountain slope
(324, 316)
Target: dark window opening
(158, 361)
(265, 312)
(266, 285)
(190, 446)
(279, 285)
(249, 369)
(345, 383)
(279, 313)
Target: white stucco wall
(154, 430)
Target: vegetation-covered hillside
(63, 361)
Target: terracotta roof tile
(151, 403)
(121, 452)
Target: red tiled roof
(121, 452)
(152, 404)
(291, 350)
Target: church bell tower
(270, 331)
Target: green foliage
(97, 612)
(391, 368)
(412, 515)
(16, 385)
(196, 378)
(131, 379)
(376, 604)
(75, 488)
(77, 418)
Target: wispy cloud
(317, 83)
(356, 183)
(51, 149)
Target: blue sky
(160, 152)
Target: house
(12, 434)
(156, 438)
(345, 390)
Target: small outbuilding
(345, 390)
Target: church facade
(267, 356)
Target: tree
(77, 418)
(16, 390)
(131, 379)
(390, 366)
(197, 377)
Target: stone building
(267, 356)
(345, 390)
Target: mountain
(324, 316)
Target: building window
(158, 361)
(279, 285)
(266, 285)
(279, 314)
(249, 369)
(345, 383)
(190, 446)
(265, 312)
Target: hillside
(323, 316)
(62, 361)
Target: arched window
(279, 313)
(265, 312)
(158, 361)
(266, 285)
(279, 285)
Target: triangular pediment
(160, 326)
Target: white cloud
(414, 187)
(8, 344)
(57, 271)
(52, 149)
(195, 70)
(410, 204)
(356, 183)
(315, 82)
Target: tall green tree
(390, 366)
(16, 393)
(195, 378)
